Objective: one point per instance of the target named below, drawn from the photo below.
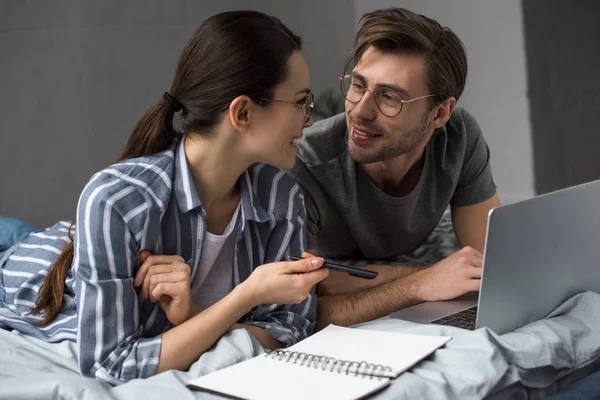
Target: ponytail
(152, 134)
(50, 296)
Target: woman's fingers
(141, 273)
(303, 266)
(170, 277)
(151, 271)
(147, 260)
(317, 276)
(306, 254)
(171, 289)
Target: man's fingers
(474, 272)
(304, 265)
(473, 285)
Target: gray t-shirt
(351, 218)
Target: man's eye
(357, 85)
(391, 97)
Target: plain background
(75, 76)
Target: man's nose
(366, 108)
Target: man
(378, 178)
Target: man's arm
(350, 309)
(342, 283)
(454, 276)
(470, 222)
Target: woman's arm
(183, 345)
(287, 324)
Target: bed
(530, 362)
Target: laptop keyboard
(463, 319)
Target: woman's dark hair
(230, 54)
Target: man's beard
(405, 144)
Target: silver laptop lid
(538, 253)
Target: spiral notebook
(335, 363)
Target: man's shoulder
(323, 141)
(462, 124)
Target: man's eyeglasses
(388, 101)
(306, 104)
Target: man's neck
(398, 176)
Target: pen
(352, 271)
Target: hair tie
(173, 104)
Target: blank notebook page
(281, 376)
(264, 378)
(399, 351)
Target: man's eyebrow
(305, 91)
(383, 85)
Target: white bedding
(471, 366)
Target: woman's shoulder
(275, 188)
(266, 177)
(147, 179)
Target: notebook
(334, 363)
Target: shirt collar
(186, 192)
(251, 205)
(183, 185)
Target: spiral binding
(356, 368)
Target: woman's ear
(240, 113)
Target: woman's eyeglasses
(307, 103)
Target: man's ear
(443, 112)
(240, 113)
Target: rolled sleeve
(111, 346)
(285, 322)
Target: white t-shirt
(215, 275)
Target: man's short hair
(402, 31)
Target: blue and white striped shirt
(151, 203)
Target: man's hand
(454, 276)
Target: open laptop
(538, 253)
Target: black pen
(352, 271)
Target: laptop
(538, 253)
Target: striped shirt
(151, 203)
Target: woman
(184, 236)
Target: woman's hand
(285, 282)
(166, 279)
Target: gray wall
(496, 90)
(563, 43)
(75, 76)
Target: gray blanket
(472, 365)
